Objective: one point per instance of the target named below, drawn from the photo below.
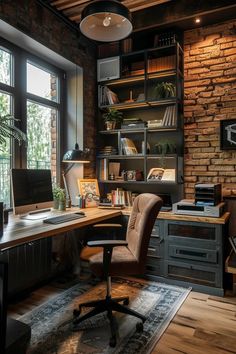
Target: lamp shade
(106, 21)
(76, 155)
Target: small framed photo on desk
(89, 188)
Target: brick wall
(39, 23)
(210, 96)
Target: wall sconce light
(106, 21)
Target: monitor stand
(36, 215)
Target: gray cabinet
(155, 257)
(28, 264)
(188, 253)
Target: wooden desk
(182, 248)
(19, 231)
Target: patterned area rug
(52, 329)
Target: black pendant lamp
(106, 21)
(76, 155)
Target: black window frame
(19, 92)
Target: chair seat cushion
(122, 262)
(17, 337)
(88, 252)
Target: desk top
(19, 231)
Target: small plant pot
(110, 125)
(62, 205)
(55, 204)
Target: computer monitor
(31, 190)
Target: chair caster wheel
(139, 327)
(126, 302)
(76, 313)
(112, 342)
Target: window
(6, 104)
(31, 90)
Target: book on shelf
(119, 196)
(112, 97)
(169, 118)
(169, 174)
(127, 45)
(106, 96)
(103, 173)
(161, 174)
(128, 147)
(114, 169)
(161, 64)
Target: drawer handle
(151, 249)
(192, 253)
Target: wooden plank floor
(204, 323)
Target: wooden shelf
(135, 104)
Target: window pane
(5, 67)
(41, 134)
(41, 83)
(5, 161)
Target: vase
(62, 205)
(110, 125)
(55, 204)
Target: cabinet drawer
(154, 266)
(156, 230)
(156, 246)
(193, 273)
(193, 253)
(193, 231)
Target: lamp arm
(66, 189)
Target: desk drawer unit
(155, 256)
(194, 252)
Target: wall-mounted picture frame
(228, 134)
(89, 189)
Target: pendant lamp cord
(76, 88)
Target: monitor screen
(31, 190)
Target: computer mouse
(79, 213)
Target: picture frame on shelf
(228, 134)
(88, 188)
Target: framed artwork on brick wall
(228, 134)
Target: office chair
(14, 335)
(121, 257)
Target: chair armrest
(107, 225)
(107, 243)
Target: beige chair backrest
(145, 210)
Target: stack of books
(108, 150)
(130, 123)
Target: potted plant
(59, 197)
(164, 147)
(164, 90)
(112, 118)
(9, 130)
